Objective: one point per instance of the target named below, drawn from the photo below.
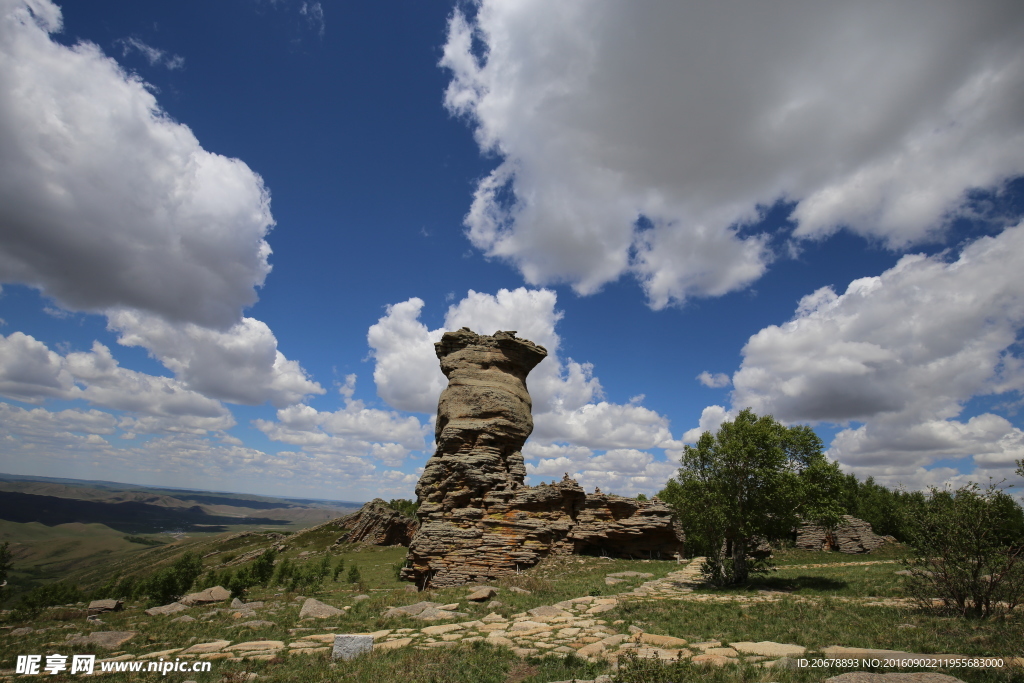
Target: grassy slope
(822, 606)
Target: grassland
(813, 599)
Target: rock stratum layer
(478, 520)
(851, 536)
(377, 524)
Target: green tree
(404, 505)
(753, 479)
(970, 551)
(353, 575)
(170, 583)
(339, 568)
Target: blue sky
(230, 233)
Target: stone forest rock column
(478, 520)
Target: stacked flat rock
(377, 524)
(851, 536)
(478, 521)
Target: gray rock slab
(101, 606)
(172, 608)
(349, 646)
(482, 594)
(313, 608)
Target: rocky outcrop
(478, 520)
(377, 524)
(851, 536)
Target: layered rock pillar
(478, 520)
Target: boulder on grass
(101, 606)
(318, 610)
(210, 595)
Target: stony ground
(570, 626)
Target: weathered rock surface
(478, 520)
(210, 595)
(101, 606)
(851, 536)
(314, 609)
(172, 608)
(377, 524)
(349, 646)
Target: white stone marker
(349, 646)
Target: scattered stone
(210, 595)
(482, 594)
(172, 608)
(360, 598)
(715, 660)
(183, 619)
(411, 610)
(101, 606)
(767, 648)
(315, 609)
(521, 591)
(350, 646)
(441, 629)
(23, 631)
(257, 623)
(660, 641)
(393, 644)
(781, 663)
(203, 648)
(548, 611)
(255, 646)
(109, 640)
(609, 581)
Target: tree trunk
(739, 560)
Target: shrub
(339, 568)
(172, 582)
(403, 505)
(353, 575)
(33, 602)
(970, 551)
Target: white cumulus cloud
(897, 357)
(642, 137)
(571, 421)
(107, 201)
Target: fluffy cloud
(625, 471)
(31, 372)
(900, 355)
(112, 207)
(570, 420)
(241, 364)
(643, 137)
(355, 431)
(715, 381)
(107, 201)
(72, 441)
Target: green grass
(818, 607)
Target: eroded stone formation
(851, 536)
(377, 524)
(478, 520)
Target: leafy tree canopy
(753, 479)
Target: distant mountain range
(139, 509)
